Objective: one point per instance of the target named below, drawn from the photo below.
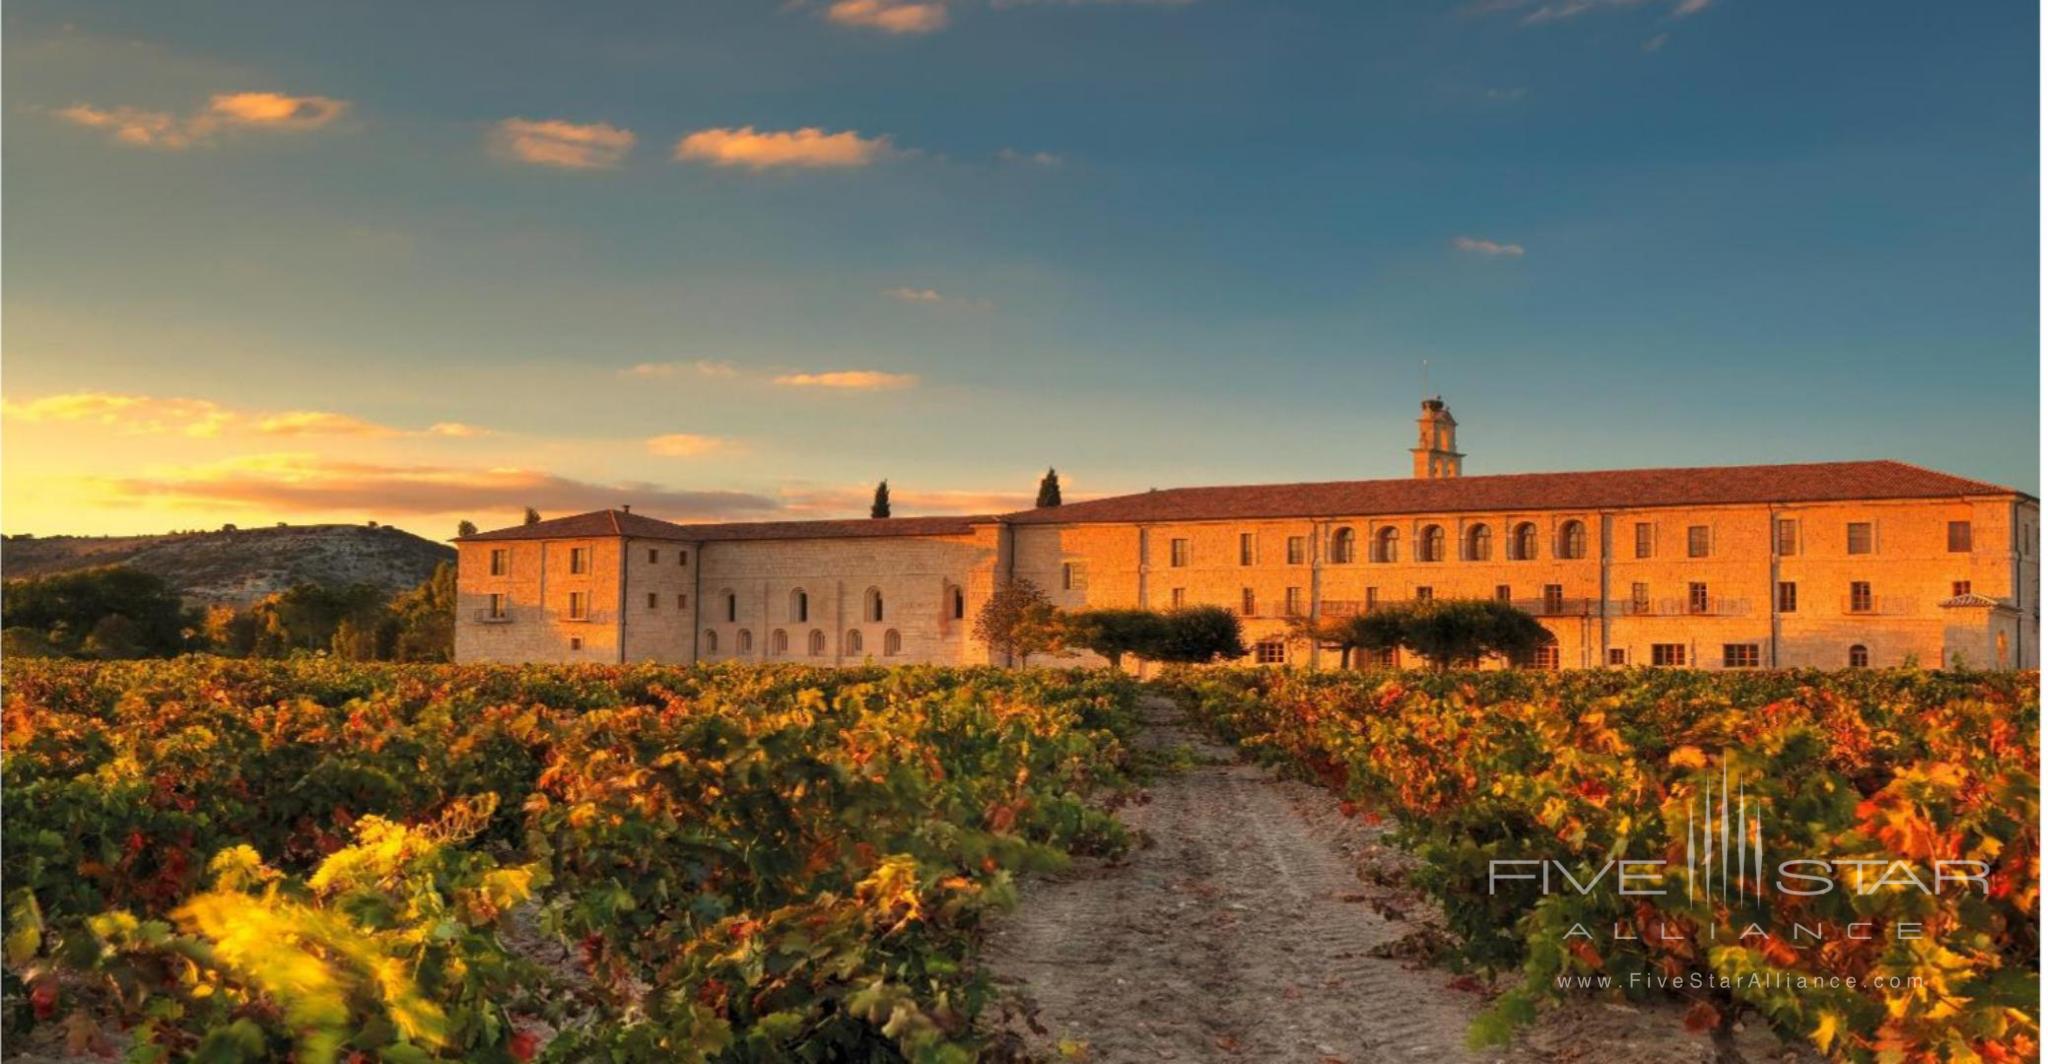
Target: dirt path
(1239, 933)
(1240, 930)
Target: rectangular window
(579, 606)
(1294, 602)
(653, 556)
(1180, 597)
(1247, 548)
(500, 563)
(1372, 598)
(1297, 550)
(1646, 539)
(1617, 655)
(1788, 537)
(1425, 594)
(1740, 656)
(1860, 539)
(1788, 597)
(1959, 537)
(1272, 652)
(683, 602)
(1859, 597)
(1547, 657)
(1699, 540)
(579, 559)
(1696, 598)
(653, 600)
(1249, 603)
(1180, 553)
(1382, 658)
(1671, 655)
(682, 557)
(1553, 599)
(1503, 593)
(1639, 598)
(1959, 588)
(575, 642)
(1074, 576)
(497, 607)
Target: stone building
(1827, 565)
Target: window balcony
(487, 617)
(589, 617)
(1685, 607)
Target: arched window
(710, 641)
(778, 643)
(1522, 542)
(817, 642)
(892, 643)
(853, 641)
(1571, 540)
(1343, 547)
(799, 606)
(732, 607)
(959, 603)
(1386, 544)
(1859, 656)
(745, 643)
(1431, 547)
(871, 607)
(1479, 543)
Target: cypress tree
(881, 507)
(532, 516)
(1049, 489)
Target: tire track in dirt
(1237, 934)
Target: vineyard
(1906, 784)
(222, 860)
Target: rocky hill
(238, 567)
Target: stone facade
(1822, 566)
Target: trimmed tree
(1019, 621)
(1197, 635)
(466, 528)
(1445, 632)
(881, 506)
(1049, 489)
(532, 516)
(1115, 633)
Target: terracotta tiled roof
(1814, 482)
(1971, 598)
(600, 523)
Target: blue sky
(257, 252)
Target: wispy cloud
(809, 148)
(1657, 43)
(865, 380)
(686, 445)
(143, 415)
(569, 145)
(1687, 8)
(933, 297)
(1558, 12)
(270, 111)
(320, 423)
(1034, 158)
(298, 483)
(128, 415)
(703, 367)
(1488, 248)
(891, 16)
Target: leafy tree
(229, 631)
(113, 611)
(466, 528)
(1049, 489)
(1019, 621)
(423, 619)
(532, 516)
(1446, 632)
(1115, 633)
(1197, 635)
(881, 506)
(307, 616)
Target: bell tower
(1436, 442)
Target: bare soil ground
(1254, 921)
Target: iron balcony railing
(1711, 606)
(487, 617)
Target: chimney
(626, 507)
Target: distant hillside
(241, 566)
